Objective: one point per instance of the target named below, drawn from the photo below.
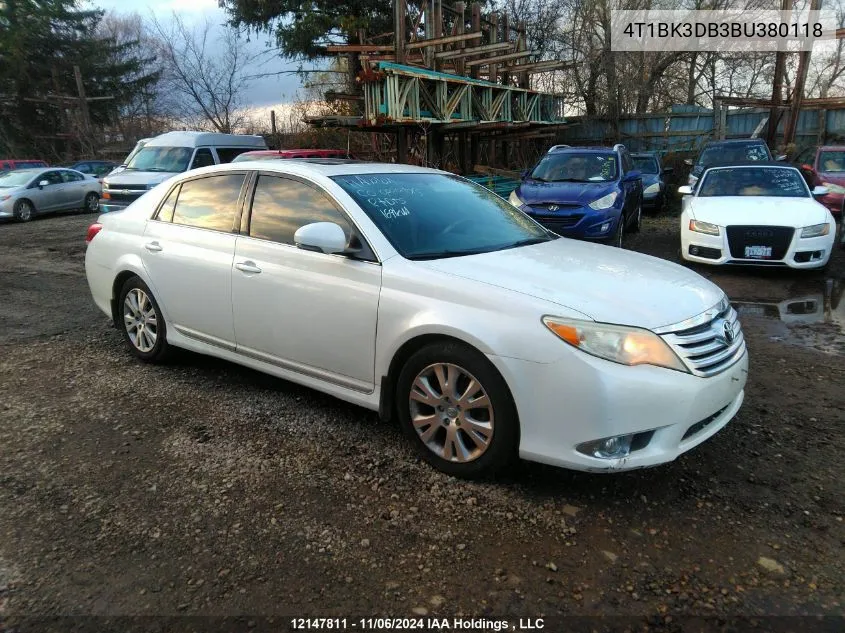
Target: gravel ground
(203, 488)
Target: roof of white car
(199, 139)
(307, 168)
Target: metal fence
(686, 128)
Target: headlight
(617, 343)
(817, 230)
(703, 227)
(655, 188)
(831, 188)
(605, 202)
(515, 200)
(105, 185)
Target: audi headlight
(605, 202)
(655, 188)
(832, 188)
(703, 227)
(515, 200)
(817, 230)
(618, 343)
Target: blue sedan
(654, 179)
(584, 193)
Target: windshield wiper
(571, 180)
(448, 253)
(530, 241)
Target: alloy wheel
(451, 412)
(24, 211)
(92, 202)
(140, 320)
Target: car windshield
(832, 161)
(576, 167)
(16, 178)
(753, 181)
(645, 164)
(734, 153)
(431, 216)
(168, 159)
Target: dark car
(653, 175)
(739, 150)
(96, 168)
(591, 193)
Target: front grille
(124, 197)
(778, 238)
(710, 347)
(560, 224)
(115, 185)
(554, 207)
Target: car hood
(132, 177)
(758, 210)
(609, 285)
(534, 192)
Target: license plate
(758, 252)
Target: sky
(264, 92)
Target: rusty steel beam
(537, 67)
(447, 39)
(475, 50)
(358, 48)
(501, 58)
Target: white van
(172, 153)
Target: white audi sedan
(758, 214)
(426, 297)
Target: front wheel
(457, 410)
(141, 322)
(92, 203)
(23, 210)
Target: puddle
(815, 320)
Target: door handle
(153, 247)
(248, 267)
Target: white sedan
(426, 297)
(763, 215)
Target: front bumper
(652, 200)
(582, 398)
(715, 251)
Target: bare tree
(206, 72)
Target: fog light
(608, 448)
(604, 227)
(693, 250)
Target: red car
(828, 170)
(266, 154)
(8, 164)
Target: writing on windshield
(752, 181)
(576, 167)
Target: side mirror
(688, 162)
(632, 175)
(685, 190)
(43, 183)
(668, 170)
(820, 191)
(322, 237)
(780, 157)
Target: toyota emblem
(729, 332)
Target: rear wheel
(141, 322)
(92, 203)
(457, 410)
(23, 210)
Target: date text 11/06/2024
(415, 624)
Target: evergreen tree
(40, 43)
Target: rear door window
(202, 158)
(228, 154)
(209, 203)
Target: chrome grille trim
(701, 343)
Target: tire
(491, 442)
(638, 219)
(92, 203)
(23, 210)
(139, 319)
(619, 234)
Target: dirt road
(208, 489)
